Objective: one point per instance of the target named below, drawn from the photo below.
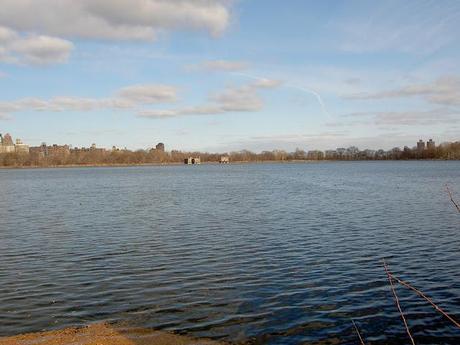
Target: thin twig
(397, 302)
(429, 300)
(357, 332)
(457, 206)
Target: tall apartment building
(430, 145)
(420, 145)
(7, 145)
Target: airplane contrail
(314, 93)
(295, 87)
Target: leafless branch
(457, 206)
(429, 300)
(357, 332)
(397, 301)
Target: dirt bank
(103, 334)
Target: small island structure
(192, 160)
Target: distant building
(430, 145)
(192, 160)
(55, 150)
(20, 147)
(160, 147)
(7, 145)
(7, 140)
(421, 145)
(93, 149)
(224, 160)
(41, 151)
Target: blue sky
(227, 75)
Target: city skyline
(18, 154)
(190, 74)
(6, 140)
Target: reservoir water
(255, 253)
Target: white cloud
(113, 19)
(6, 35)
(430, 117)
(221, 65)
(139, 98)
(233, 99)
(148, 94)
(267, 83)
(168, 113)
(244, 98)
(132, 97)
(32, 49)
(444, 91)
(42, 49)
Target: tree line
(447, 151)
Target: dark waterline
(271, 253)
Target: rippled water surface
(269, 253)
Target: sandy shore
(103, 334)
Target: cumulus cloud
(32, 49)
(140, 98)
(148, 94)
(444, 91)
(114, 19)
(132, 97)
(243, 98)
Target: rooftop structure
(430, 145)
(20, 147)
(420, 145)
(160, 147)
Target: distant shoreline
(69, 166)
(153, 164)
